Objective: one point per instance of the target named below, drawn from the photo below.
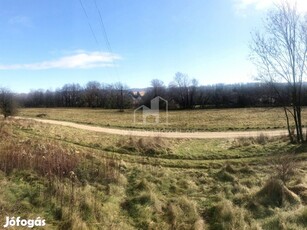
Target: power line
(104, 32)
(105, 35)
(102, 27)
(89, 22)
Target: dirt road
(189, 135)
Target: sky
(46, 44)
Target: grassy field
(84, 180)
(191, 120)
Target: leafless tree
(279, 54)
(122, 98)
(93, 94)
(158, 88)
(186, 90)
(119, 91)
(71, 94)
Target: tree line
(279, 53)
(92, 95)
(182, 93)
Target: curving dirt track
(180, 135)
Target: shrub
(285, 167)
(8, 105)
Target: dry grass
(43, 175)
(224, 187)
(144, 146)
(154, 147)
(276, 194)
(262, 139)
(46, 159)
(183, 214)
(193, 120)
(226, 216)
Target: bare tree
(8, 105)
(184, 90)
(121, 96)
(119, 89)
(158, 88)
(93, 94)
(71, 95)
(193, 90)
(179, 89)
(280, 56)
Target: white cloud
(80, 60)
(257, 4)
(242, 5)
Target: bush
(285, 167)
(8, 104)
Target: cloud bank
(84, 60)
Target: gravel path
(181, 135)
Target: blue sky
(46, 44)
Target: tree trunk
(288, 126)
(299, 121)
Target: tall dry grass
(46, 159)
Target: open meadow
(78, 179)
(182, 120)
(101, 130)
